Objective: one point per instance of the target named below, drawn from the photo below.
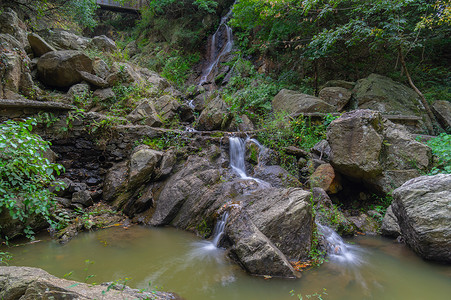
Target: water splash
(337, 250)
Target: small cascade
(218, 232)
(337, 249)
(221, 44)
(237, 152)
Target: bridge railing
(131, 4)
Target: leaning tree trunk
(420, 94)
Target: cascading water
(337, 249)
(237, 152)
(219, 47)
(218, 232)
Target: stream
(178, 261)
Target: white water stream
(219, 47)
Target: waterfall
(237, 152)
(337, 250)
(218, 232)
(217, 49)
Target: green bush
(25, 173)
(441, 148)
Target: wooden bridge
(126, 6)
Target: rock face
(12, 25)
(104, 43)
(442, 111)
(61, 68)
(26, 283)
(294, 102)
(145, 113)
(381, 93)
(64, 40)
(366, 147)
(423, 208)
(15, 76)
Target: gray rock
(26, 283)
(339, 83)
(12, 25)
(100, 68)
(15, 77)
(390, 226)
(423, 208)
(381, 93)
(295, 103)
(167, 107)
(145, 113)
(116, 181)
(364, 223)
(93, 79)
(215, 116)
(104, 43)
(64, 40)
(442, 111)
(39, 45)
(369, 148)
(254, 251)
(336, 96)
(142, 164)
(276, 176)
(104, 94)
(82, 197)
(78, 91)
(62, 68)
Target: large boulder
(104, 43)
(423, 209)
(27, 283)
(293, 102)
(336, 96)
(167, 107)
(143, 162)
(15, 75)
(64, 40)
(381, 93)
(39, 45)
(442, 111)
(326, 178)
(367, 147)
(215, 116)
(62, 68)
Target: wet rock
(390, 226)
(215, 116)
(326, 178)
(104, 43)
(27, 283)
(93, 79)
(62, 68)
(254, 250)
(295, 103)
(276, 176)
(442, 111)
(366, 147)
(423, 208)
(364, 223)
(13, 228)
(39, 45)
(83, 198)
(336, 96)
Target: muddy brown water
(178, 261)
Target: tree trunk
(420, 94)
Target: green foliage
(178, 67)
(168, 140)
(318, 296)
(441, 148)
(25, 173)
(5, 257)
